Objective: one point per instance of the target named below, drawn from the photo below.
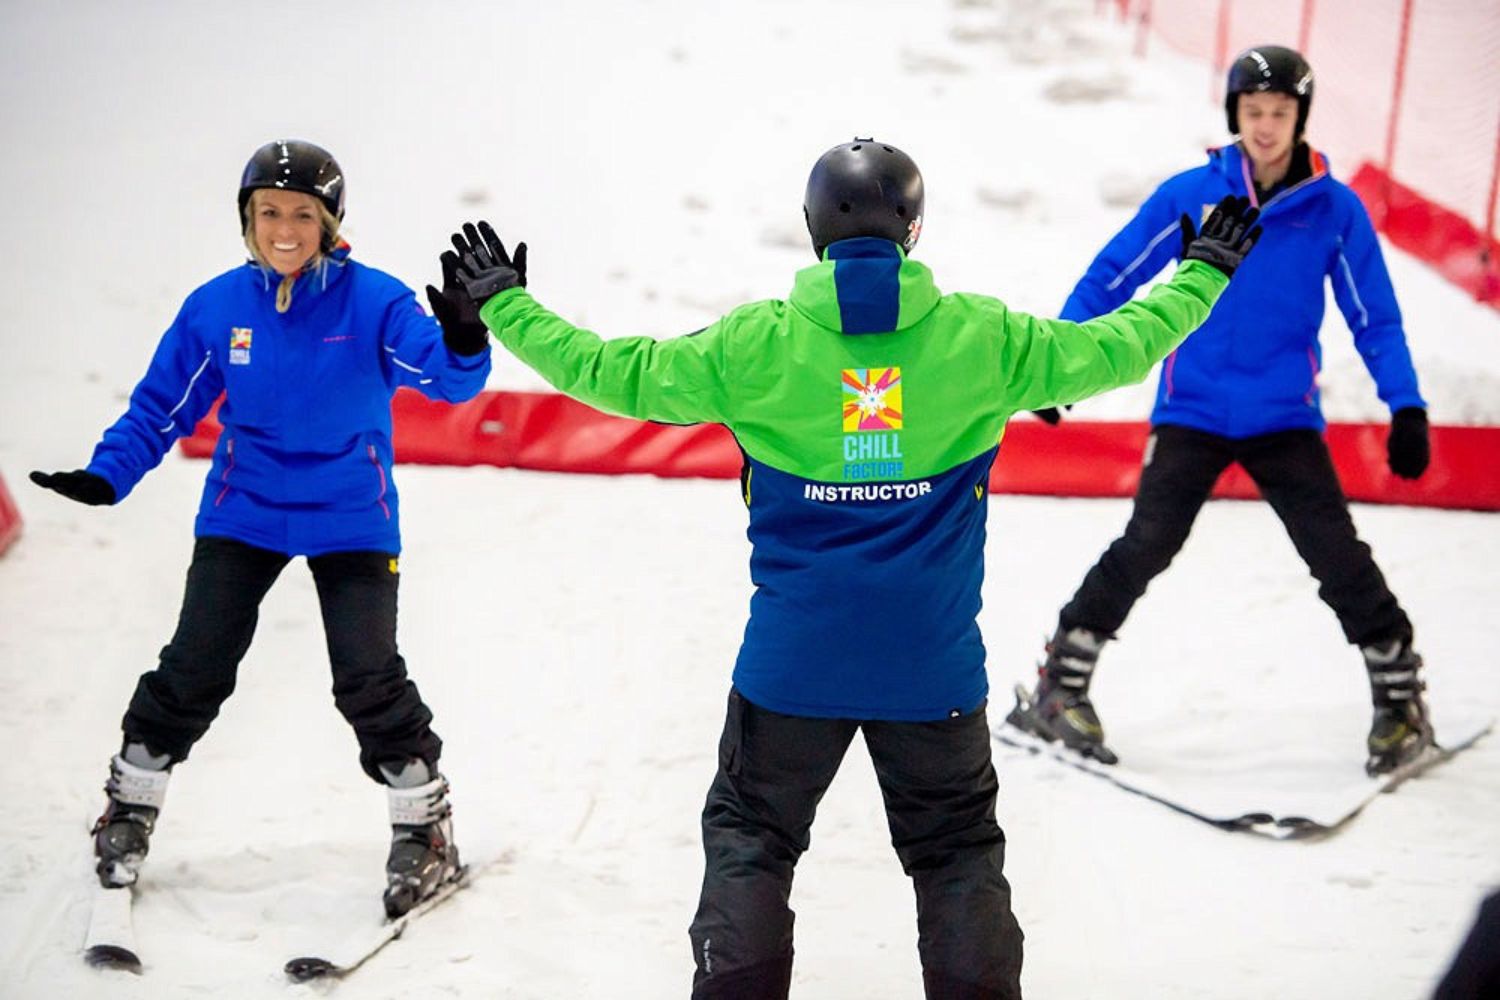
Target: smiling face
(287, 228)
(1268, 127)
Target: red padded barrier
(1089, 458)
(1102, 459)
(10, 518)
(1430, 232)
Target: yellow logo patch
(872, 399)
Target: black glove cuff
(490, 283)
(466, 339)
(1218, 257)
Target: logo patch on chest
(239, 345)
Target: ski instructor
(869, 406)
(307, 346)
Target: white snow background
(574, 635)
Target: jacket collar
(313, 280)
(1237, 170)
(865, 285)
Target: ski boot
(423, 855)
(1401, 729)
(1059, 708)
(122, 835)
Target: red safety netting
(1409, 91)
(550, 432)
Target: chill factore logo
(239, 345)
(872, 416)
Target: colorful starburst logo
(239, 345)
(872, 399)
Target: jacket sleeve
(178, 388)
(1362, 289)
(1053, 362)
(682, 380)
(1134, 256)
(414, 349)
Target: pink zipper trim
(1312, 386)
(1171, 364)
(228, 468)
(375, 461)
(1249, 184)
(1315, 159)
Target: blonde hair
(327, 221)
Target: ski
(110, 941)
(361, 946)
(1437, 753)
(1250, 820)
(1278, 807)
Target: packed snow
(574, 635)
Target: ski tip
(303, 969)
(113, 956)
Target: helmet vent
(845, 207)
(901, 211)
(856, 146)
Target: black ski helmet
(864, 188)
(294, 165)
(1268, 68)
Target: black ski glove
(463, 331)
(80, 485)
(1226, 237)
(1407, 449)
(482, 265)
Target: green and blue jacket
(869, 407)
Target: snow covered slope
(575, 635)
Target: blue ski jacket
(1252, 368)
(303, 465)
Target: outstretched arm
(1132, 257)
(1055, 362)
(681, 380)
(178, 388)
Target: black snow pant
(939, 788)
(174, 704)
(1293, 471)
(1474, 973)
